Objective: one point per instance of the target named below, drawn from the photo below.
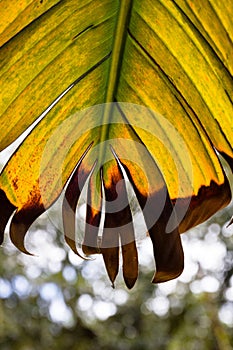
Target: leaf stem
(118, 48)
(117, 52)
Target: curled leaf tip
(21, 222)
(72, 245)
(111, 261)
(130, 282)
(164, 276)
(17, 236)
(6, 211)
(70, 201)
(130, 261)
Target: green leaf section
(16, 15)
(54, 52)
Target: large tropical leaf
(139, 90)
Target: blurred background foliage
(56, 300)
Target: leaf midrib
(115, 66)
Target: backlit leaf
(133, 90)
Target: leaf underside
(137, 91)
